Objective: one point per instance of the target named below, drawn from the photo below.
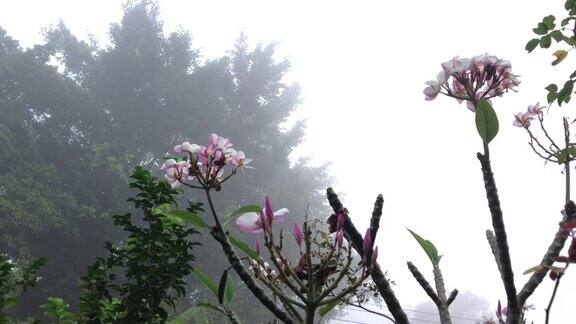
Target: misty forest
(142, 182)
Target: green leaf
(566, 21)
(211, 306)
(229, 290)
(545, 41)
(562, 156)
(163, 209)
(569, 4)
(190, 218)
(486, 121)
(328, 307)
(541, 29)
(206, 280)
(557, 35)
(428, 247)
(531, 45)
(222, 286)
(242, 210)
(243, 246)
(566, 92)
(549, 22)
(552, 92)
(186, 317)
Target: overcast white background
(362, 67)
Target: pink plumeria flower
(187, 147)
(176, 172)
(523, 119)
(256, 223)
(238, 159)
(536, 109)
(434, 86)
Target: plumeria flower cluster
(205, 164)
(522, 119)
(471, 79)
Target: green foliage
(548, 30)
(152, 263)
(486, 121)
(428, 247)
(58, 311)
(14, 280)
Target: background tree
(71, 132)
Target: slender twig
(373, 312)
(423, 283)
(377, 275)
(552, 297)
(452, 296)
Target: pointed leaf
(428, 247)
(222, 286)
(162, 209)
(211, 306)
(206, 280)
(190, 218)
(486, 121)
(229, 290)
(328, 307)
(243, 246)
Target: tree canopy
(77, 117)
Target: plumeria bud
(341, 221)
(499, 309)
(257, 245)
(367, 244)
(298, 235)
(268, 212)
(339, 238)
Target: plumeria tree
(321, 277)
